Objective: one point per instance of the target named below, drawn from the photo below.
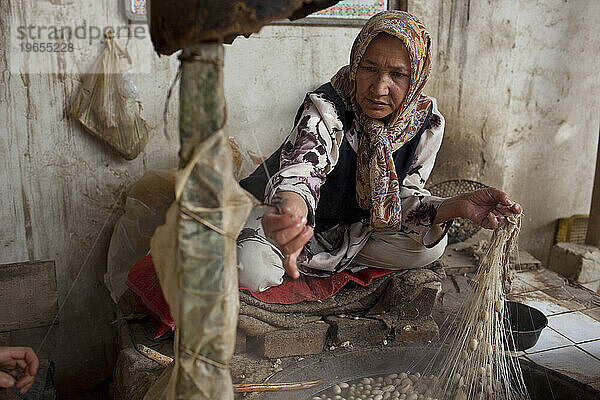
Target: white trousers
(260, 264)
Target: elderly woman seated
(348, 182)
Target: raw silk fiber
(376, 179)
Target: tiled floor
(570, 344)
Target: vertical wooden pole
(593, 230)
(208, 303)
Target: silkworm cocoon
(344, 385)
(461, 382)
(337, 389)
(473, 344)
(488, 349)
(464, 355)
(498, 305)
(405, 388)
(413, 396)
(480, 334)
(460, 395)
(485, 315)
(488, 370)
(456, 378)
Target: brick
(416, 331)
(305, 340)
(524, 261)
(541, 279)
(577, 262)
(359, 332)
(458, 262)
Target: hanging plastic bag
(107, 103)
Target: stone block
(416, 330)
(359, 332)
(307, 339)
(407, 299)
(422, 304)
(577, 262)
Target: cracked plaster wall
(518, 84)
(59, 185)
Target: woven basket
(461, 228)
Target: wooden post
(208, 302)
(593, 230)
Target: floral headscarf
(377, 185)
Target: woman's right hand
(285, 226)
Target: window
(345, 12)
(135, 10)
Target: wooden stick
(238, 387)
(268, 387)
(154, 355)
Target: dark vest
(337, 202)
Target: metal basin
(526, 324)
(342, 366)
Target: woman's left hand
(486, 207)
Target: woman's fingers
(24, 384)
(292, 250)
(516, 208)
(298, 242)
(290, 266)
(288, 234)
(6, 380)
(492, 221)
(273, 221)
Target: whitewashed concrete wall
(268, 75)
(61, 189)
(518, 83)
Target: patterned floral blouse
(311, 151)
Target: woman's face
(383, 77)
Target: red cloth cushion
(143, 282)
(308, 288)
